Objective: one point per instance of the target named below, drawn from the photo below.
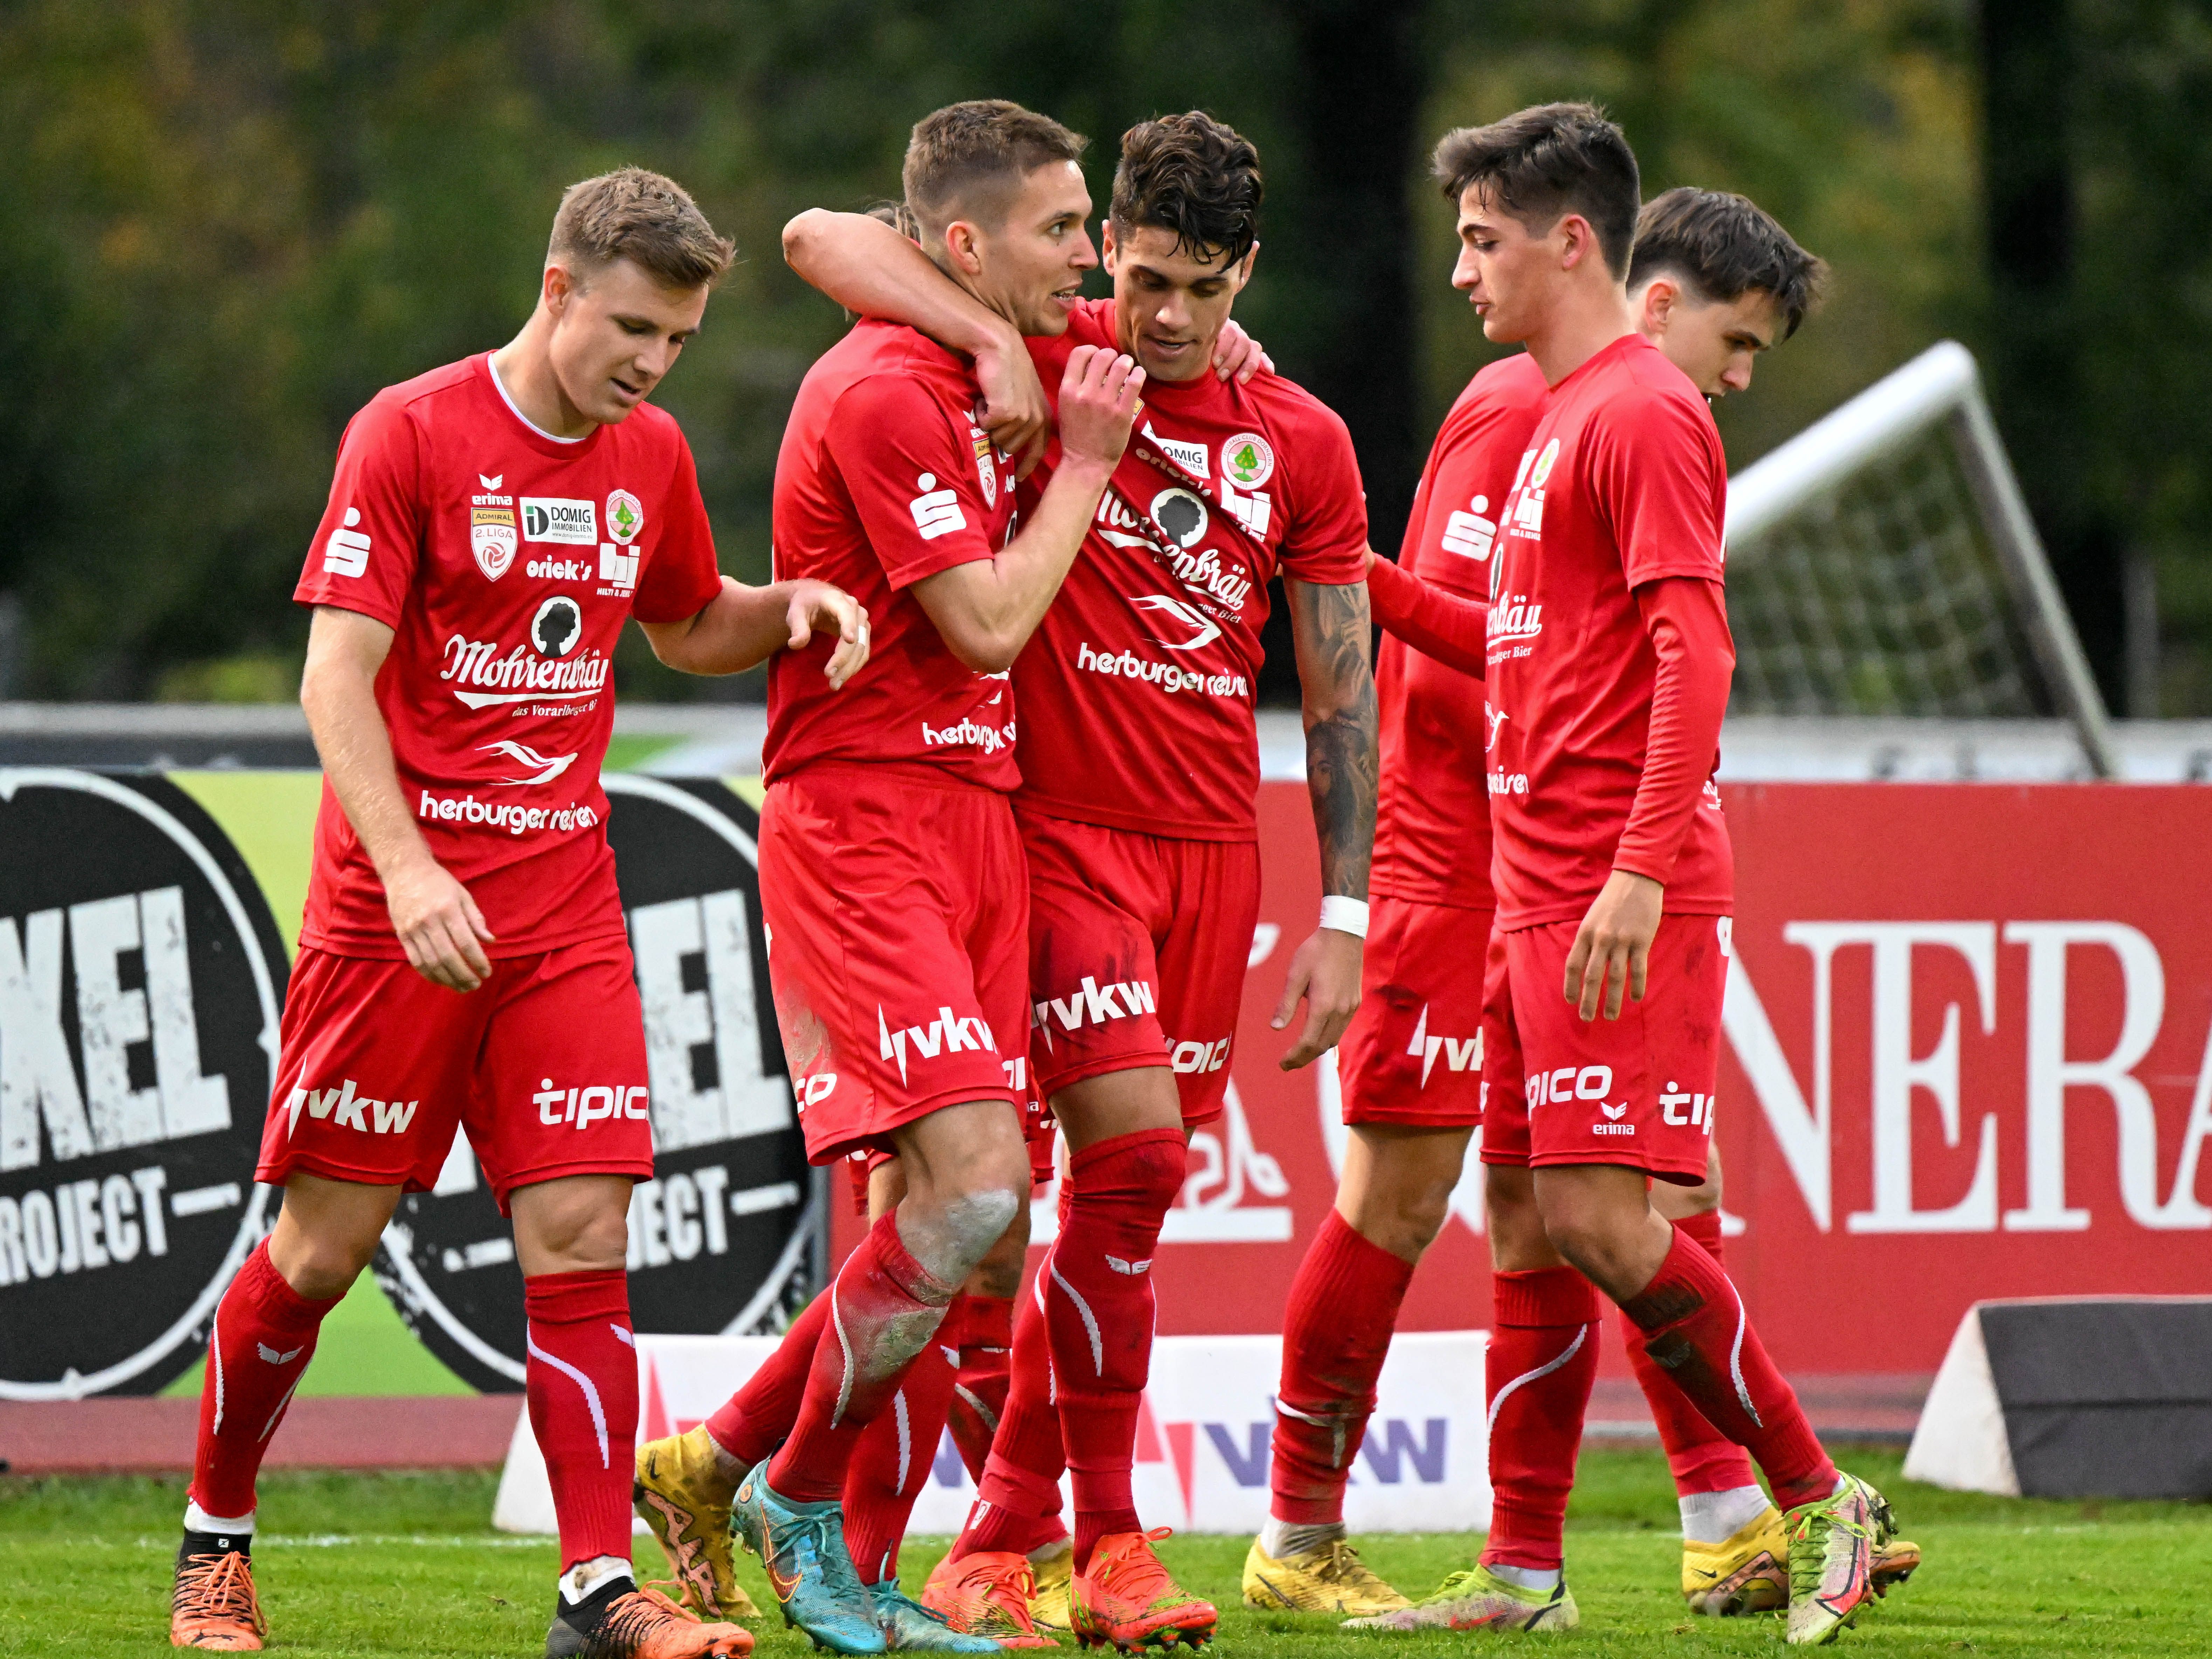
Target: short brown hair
(1722, 246)
(649, 220)
(1547, 161)
(1195, 176)
(968, 160)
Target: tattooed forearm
(1336, 678)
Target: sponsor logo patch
(936, 512)
(555, 518)
(625, 516)
(346, 553)
(1248, 460)
(492, 539)
(1181, 516)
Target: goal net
(1882, 562)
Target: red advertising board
(1968, 1057)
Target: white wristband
(1346, 915)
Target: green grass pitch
(408, 1565)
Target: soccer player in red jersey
(1140, 778)
(1714, 281)
(893, 878)
(1608, 672)
(463, 961)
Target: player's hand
(1016, 415)
(1613, 947)
(1236, 352)
(1099, 405)
(438, 924)
(1325, 973)
(817, 604)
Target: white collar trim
(518, 414)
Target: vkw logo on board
(141, 983)
(721, 1238)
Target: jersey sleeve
(365, 550)
(1687, 621)
(682, 576)
(1326, 540)
(1435, 621)
(1657, 476)
(912, 480)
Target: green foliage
(227, 224)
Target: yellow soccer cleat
(1331, 1579)
(682, 1495)
(1748, 1572)
(1475, 1598)
(1895, 1561)
(1049, 1609)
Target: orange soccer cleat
(214, 1605)
(987, 1593)
(643, 1624)
(1125, 1597)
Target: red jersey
(1623, 484)
(884, 478)
(505, 562)
(1139, 688)
(1433, 810)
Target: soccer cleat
(214, 1606)
(1476, 1598)
(1747, 1572)
(910, 1627)
(1895, 1560)
(1055, 1578)
(1331, 1579)
(1125, 1597)
(682, 1494)
(1831, 1545)
(987, 1593)
(809, 1568)
(619, 1620)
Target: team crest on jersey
(1248, 460)
(987, 474)
(625, 516)
(493, 538)
(1181, 516)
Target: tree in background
(228, 224)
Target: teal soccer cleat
(802, 1545)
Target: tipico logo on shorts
(1588, 1084)
(948, 1034)
(594, 1102)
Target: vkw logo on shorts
(723, 1239)
(141, 978)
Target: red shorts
(543, 1066)
(1137, 947)
(1413, 1052)
(1637, 1090)
(897, 914)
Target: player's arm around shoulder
(1333, 631)
(436, 919)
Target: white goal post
(1883, 562)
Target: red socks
(894, 1457)
(1701, 1457)
(1343, 1306)
(1098, 1312)
(263, 1337)
(985, 1340)
(1695, 1330)
(883, 1309)
(753, 1422)
(1541, 1362)
(581, 1383)
(1019, 1488)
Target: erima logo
(491, 480)
(275, 1359)
(1459, 1053)
(936, 512)
(1616, 1113)
(949, 1033)
(544, 768)
(1131, 1268)
(348, 1110)
(1092, 1004)
(1204, 630)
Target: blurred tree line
(226, 225)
